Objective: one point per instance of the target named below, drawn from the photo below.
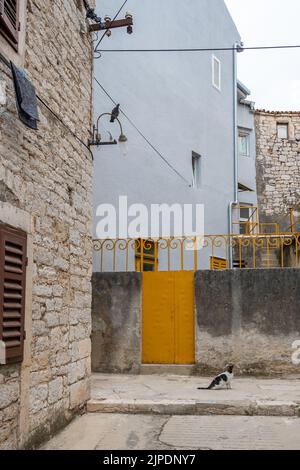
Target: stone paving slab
(144, 432)
(178, 395)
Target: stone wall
(46, 178)
(249, 317)
(116, 322)
(278, 167)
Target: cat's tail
(203, 388)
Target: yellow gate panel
(184, 318)
(158, 318)
(168, 330)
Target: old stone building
(278, 166)
(45, 199)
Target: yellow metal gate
(168, 318)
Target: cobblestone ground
(141, 432)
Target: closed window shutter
(13, 263)
(9, 20)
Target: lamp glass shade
(123, 138)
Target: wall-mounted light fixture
(96, 136)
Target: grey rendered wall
(171, 99)
(249, 317)
(247, 165)
(116, 322)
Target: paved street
(175, 395)
(135, 415)
(138, 432)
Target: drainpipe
(237, 47)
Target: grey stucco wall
(116, 322)
(247, 165)
(173, 102)
(249, 317)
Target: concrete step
(195, 408)
(167, 369)
(179, 395)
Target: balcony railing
(250, 251)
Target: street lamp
(97, 138)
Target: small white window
(196, 165)
(244, 144)
(282, 131)
(216, 72)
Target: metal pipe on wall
(237, 47)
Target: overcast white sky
(272, 76)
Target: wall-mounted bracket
(107, 25)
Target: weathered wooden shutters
(218, 263)
(9, 20)
(13, 263)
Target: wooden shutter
(9, 20)
(13, 263)
(217, 264)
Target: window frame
(197, 170)
(8, 30)
(244, 220)
(281, 125)
(245, 134)
(218, 61)
(13, 270)
(149, 257)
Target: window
(9, 21)
(196, 166)
(282, 131)
(13, 263)
(244, 144)
(216, 73)
(245, 219)
(146, 259)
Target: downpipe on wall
(237, 47)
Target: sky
(272, 76)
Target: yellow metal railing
(253, 228)
(279, 250)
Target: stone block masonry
(46, 189)
(278, 167)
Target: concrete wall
(116, 318)
(173, 103)
(249, 317)
(45, 188)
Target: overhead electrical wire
(208, 49)
(96, 51)
(142, 135)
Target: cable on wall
(142, 135)
(58, 118)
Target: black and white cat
(222, 380)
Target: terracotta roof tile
(265, 111)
